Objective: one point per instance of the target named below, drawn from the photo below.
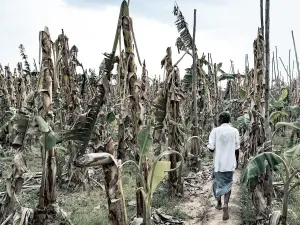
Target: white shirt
(224, 140)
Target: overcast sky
(225, 28)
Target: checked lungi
(222, 183)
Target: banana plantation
(118, 147)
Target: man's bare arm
(237, 154)
(212, 141)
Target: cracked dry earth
(199, 203)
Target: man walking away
(224, 142)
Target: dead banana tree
(66, 91)
(45, 211)
(82, 133)
(15, 181)
(256, 138)
(127, 88)
(173, 95)
(185, 42)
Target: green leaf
(43, 125)
(242, 122)
(284, 94)
(160, 103)
(277, 105)
(292, 157)
(295, 109)
(48, 140)
(114, 123)
(294, 125)
(61, 151)
(228, 76)
(257, 166)
(159, 174)
(110, 117)
(242, 93)
(145, 139)
(276, 115)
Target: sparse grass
(129, 186)
(294, 207)
(84, 208)
(90, 207)
(33, 160)
(247, 208)
(168, 204)
(29, 198)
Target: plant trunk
(195, 147)
(285, 203)
(46, 211)
(267, 72)
(114, 191)
(131, 78)
(268, 177)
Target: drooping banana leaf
(284, 94)
(159, 174)
(257, 166)
(292, 157)
(276, 115)
(183, 30)
(294, 125)
(228, 76)
(294, 109)
(83, 130)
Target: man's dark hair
(224, 117)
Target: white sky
(228, 34)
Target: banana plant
(279, 107)
(295, 126)
(159, 169)
(258, 164)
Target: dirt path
(199, 203)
